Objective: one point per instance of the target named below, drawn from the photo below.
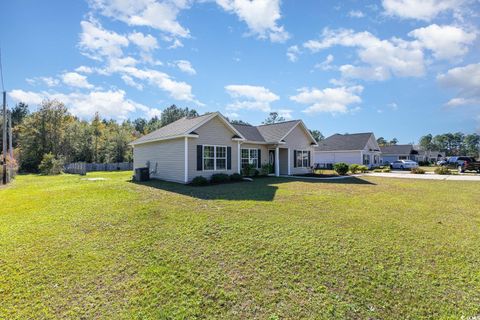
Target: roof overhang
(134, 143)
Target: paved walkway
(407, 175)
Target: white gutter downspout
(277, 159)
(185, 179)
(238, 157)
(288, 161)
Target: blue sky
(399, 68)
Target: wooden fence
(83, 167)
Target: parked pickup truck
(463, 164)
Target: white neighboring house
(356, 148)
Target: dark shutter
(259, 161)
(199, 157)
(229, 158)
(294, 158)
(308, 159)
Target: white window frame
(303, 153)
(214, 157)
(250, 159)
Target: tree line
(52, 130)
(453, 144)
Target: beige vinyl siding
(214, 132)
(263, 150)
(349, 157)
(298, 140)
(166, 159)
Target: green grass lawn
(370, 248)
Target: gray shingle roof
(180, 127)
(355, 141)
(275, 132)
(265, 133)
(397, 149)
(250, 133)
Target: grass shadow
(261, 189)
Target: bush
(220, 178)
(363, 169)
(386, 170)
(341, 168)
(417, 171)
(354, 168)
(199, 181)
(266, 169)
(377, 170)
(442, 170)
(247, 170)
(50, 165)
(236, 177)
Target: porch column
(277, 159)
(239, 157)
(288, 162)
(186, 161)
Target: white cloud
(177, 89)
(251, 97)
(285, 113)
(28, 97)
(48, 81)
(421, 10)
(144, 42)
(466, 80)
(129, 81)
(331, 100)
(395, 56)
(160, 15)
(325, 64)
(366, 73)
(260, 16)
(97, 43)
(84, 69)
(110, 104)
(356, 14)
(185, 66)
(77, 80)
(446, 42)
(292, 53)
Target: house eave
(133, 143)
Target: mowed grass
(370, 248)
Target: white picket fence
(82, 167)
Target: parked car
(463, 164)
(442, 162)
(403, 164)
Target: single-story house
(356, 148)
(209, 144)
(431, 156)
(398, 152)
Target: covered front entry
(278, 158)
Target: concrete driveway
(427, 176)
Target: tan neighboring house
(209, 144)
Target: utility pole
(10, 141)
(4, 171)
(10, 146)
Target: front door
(271, 160)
